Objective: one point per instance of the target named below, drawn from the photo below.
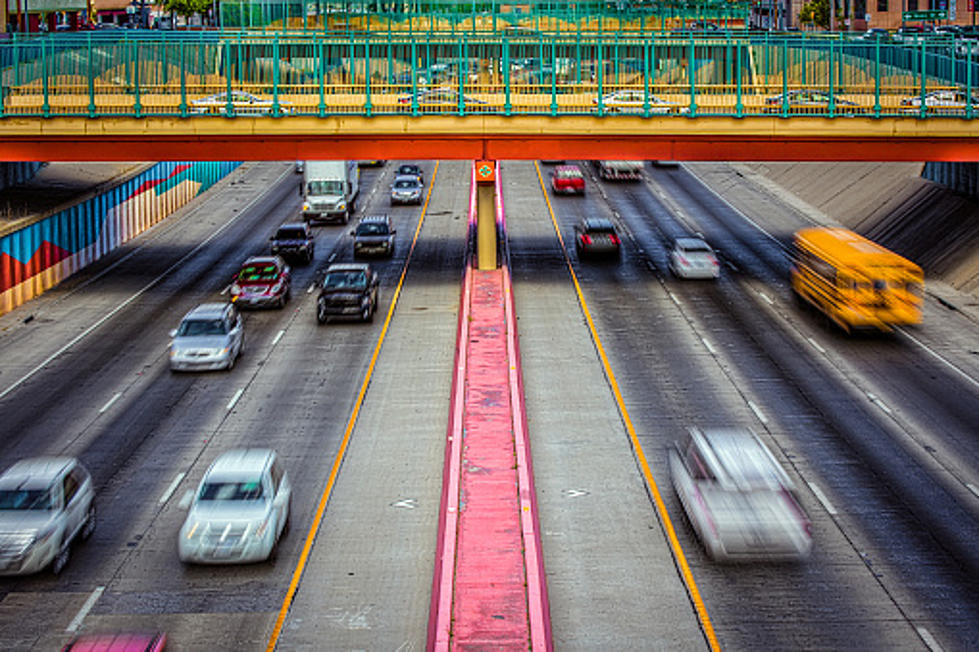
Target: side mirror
(173, 333)
(352, 233)
(186, 499)
(393, 231)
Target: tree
(815, 12)
(187, 8)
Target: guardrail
(287, 75)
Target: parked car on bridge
(738, 498)
(262, 281)
(239, 511)
(568, 179)
(374, 235)
(808, 100)
(596, 236)
(634, 102)
(210, 336)
(692, 257)
(941, 101)
(442, 99)
(348, 290)
(45, 504)
(242, 103)
(877, 34)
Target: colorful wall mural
(39, 256)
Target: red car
(262, 281)
(568, 179)
(123, 642)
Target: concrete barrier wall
(960, 177)
(39, 256)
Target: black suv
(294, 241)
(374, 235)
(348, 290)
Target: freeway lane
(296, 389)
(806, 407)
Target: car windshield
(25, 499)
(324, 187)
(372, 228)
(247, 490)
(693, 247)
(407, 169)
(290, 234)
(406, 184)
(568, 173)
(253, 273)
(355, 280)
(194, 327)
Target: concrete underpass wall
(38, 256)
(890, 203)
(17, 172)
(960, 177)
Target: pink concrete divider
(489, 589)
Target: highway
(878, 432)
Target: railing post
(137, 103)
(693, 82)
(368, 106)
(321, 109)
(414, 73)
(968, 81)
(832, 83)
(91, 80)
(923, 109)
(785, 77)
(229, 107)
(275, 76)
(645, 78)
(45, 106)
(600, 76)
(553, 78)
(738, 103)
(183, 82)
(877, 78)
(507, 105)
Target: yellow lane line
(681, 559)
(338, 461)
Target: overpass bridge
(247, 95)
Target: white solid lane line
(278, 336)
(821, 497)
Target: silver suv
(209, 337)
(45, 504)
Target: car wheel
(61, 559)
(321, 315)
(89, 526)
(231, 363)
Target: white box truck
(330, 190)
(620, 170)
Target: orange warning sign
(485, 171)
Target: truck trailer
(620, 170)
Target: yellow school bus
(855, 282)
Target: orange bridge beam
(491, 137)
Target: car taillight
(684, 261)
(614, 238)
(586, 239)
(713, 261)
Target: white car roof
(247, 462)
(36, 471)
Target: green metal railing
(289, 75)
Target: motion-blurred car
(444, 99)
(238, 512)
(692, 257)
(596, 236)
(634, 101)
(568, 179)
(371, 162)
(209, 337)
(348, 290)
(809, 101)
(294, 241)
(407, 190)
(942, 101)
(877, 34)
(242, 103)
(374, 236)
(410, 170)
(118, 642)
(262, 281)
(45, 504)
(739, 500)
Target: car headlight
(260, 530)
(276, 287)
(194, 532)
(305, 206)
(341, 205)
(235, 288)
(43, 535)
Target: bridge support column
(486, 232)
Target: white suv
(45, 503)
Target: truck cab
(329, 190)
